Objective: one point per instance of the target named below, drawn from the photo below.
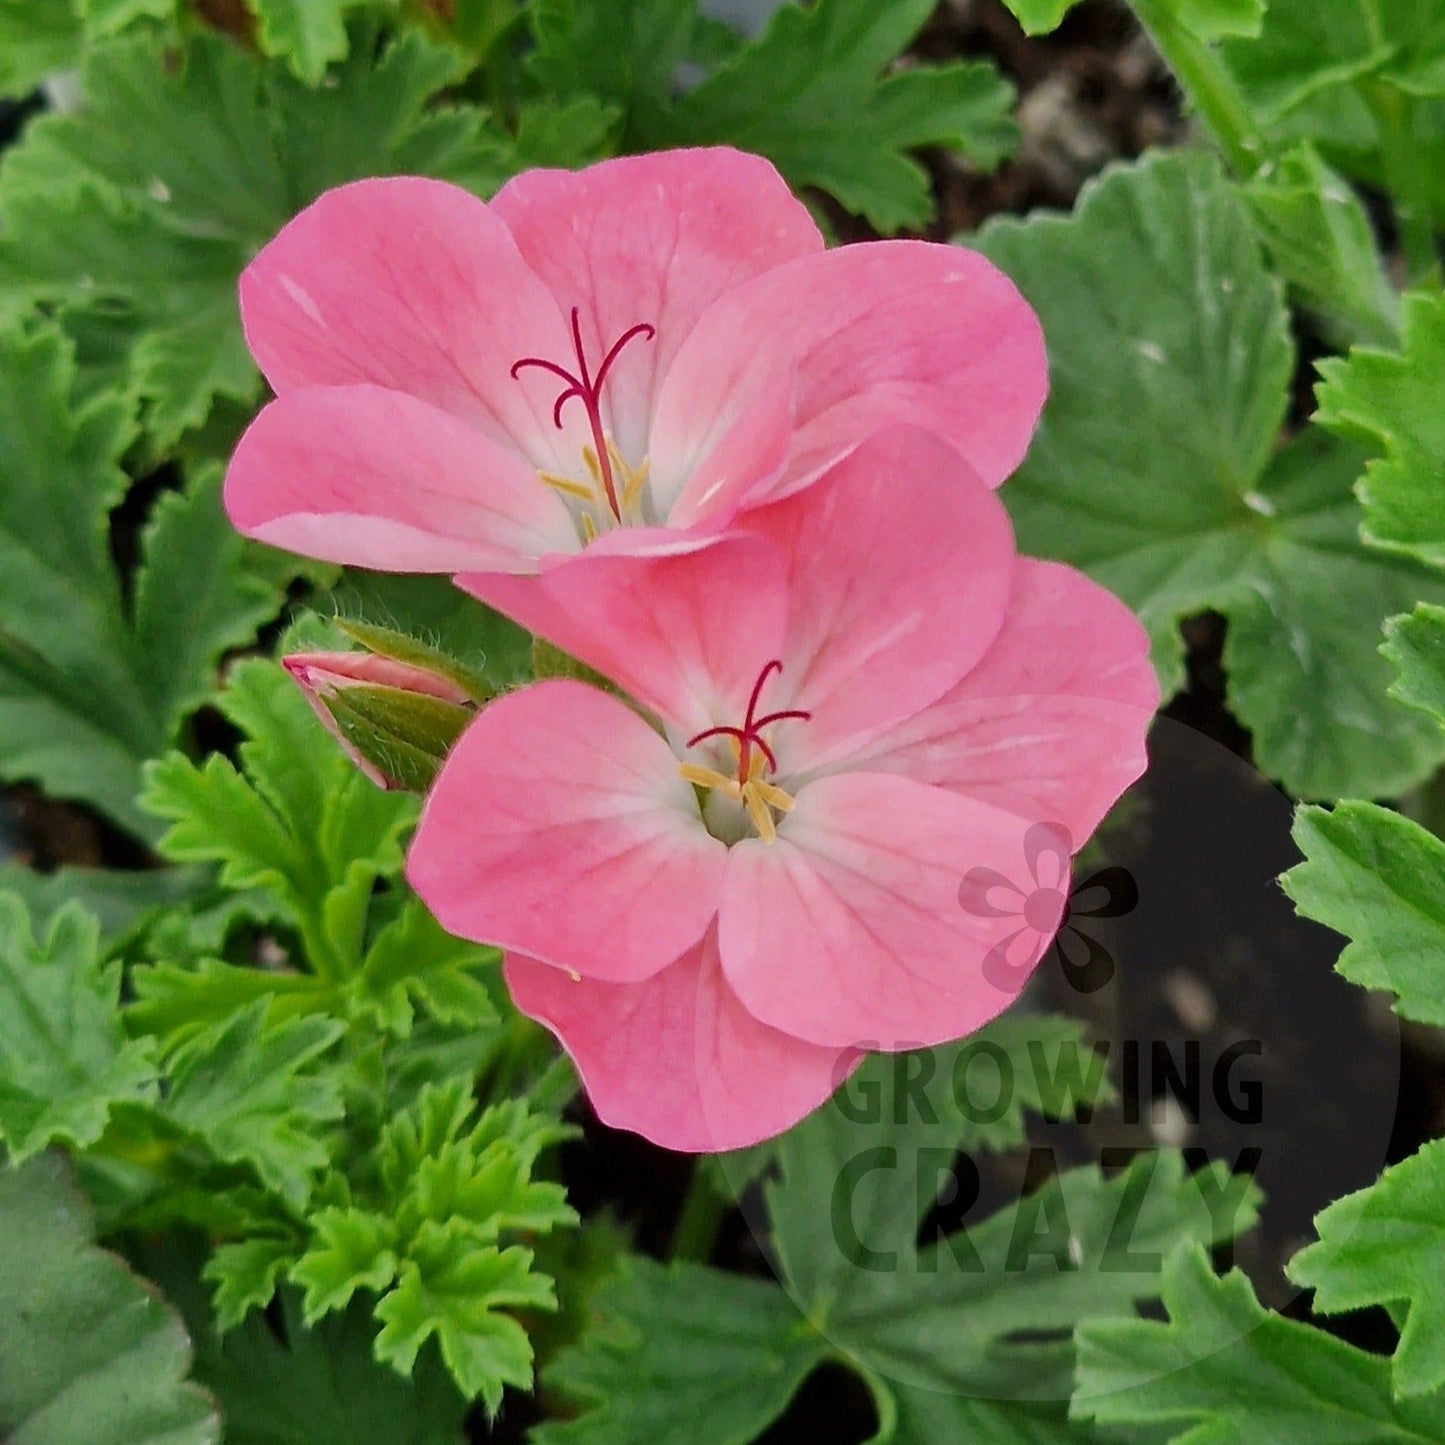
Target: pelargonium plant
(650, 712)
(810, 604)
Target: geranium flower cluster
(643, 411)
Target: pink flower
(717, 897)
(640, 348)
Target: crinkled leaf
(246, 1275)
(808, 95)
(460, 1296)
(89, 687)
(1393, 401)
(64, 1057)
(1156, 470)
(87, 1350)
(257, 1096)
(1233, 1371)
(814, 93)
(310, 34)
(1379, 879)
(145, 204)
(350, 1250)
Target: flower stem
(1209, 86)
(703, 1211)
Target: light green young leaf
(37, 39)
(1379, 879)
(1233, 1371)
(460, 1297)
(87, 1350)
(64, 1057)
(350, 1249)
(144, 205)
(308, 34)
(1040, 17)
(811, 94)
(255, 1095)
(1156, 470)
(1393, 402)
(1384, 1245)
(89, 688)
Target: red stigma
(588, 390)
(748, 736)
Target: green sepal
(405, 735)
(403, 647)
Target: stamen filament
(566, 484)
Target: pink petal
(887, 332)
(1051, 724)
(416, 286)
(685, 634)
(900, 565)
(654, 239)
(848, 930)
(375, 478)
(559, 827)
(677, 1058)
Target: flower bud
(396, 720)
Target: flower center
(747, 783)
(605, 464)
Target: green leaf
(1393, 402)
(1379, 879)
(460, 1298)
(674, 1344)
(958, 1336)
(64, 1058)
(808, 95)
(1209, 19)
(415, 964)
(246, 1275)
(121, 902)
(301, 822)
(279, 1382)
(1415, 643)
(37, 39)
(1384, 1245)
(1319, 236)
(1302, 52)
(255, 1096)
(309, 34)
(87, 1351)
(1155, 470)
(350, 1250)
(89, 687)
(144, 205)
(1232, 1370)
(814, 93)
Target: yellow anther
(589, 457)
(566, 484)
(708, 778)
(589, 527)
(759, 798)
(759, 812)
(633, 479)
